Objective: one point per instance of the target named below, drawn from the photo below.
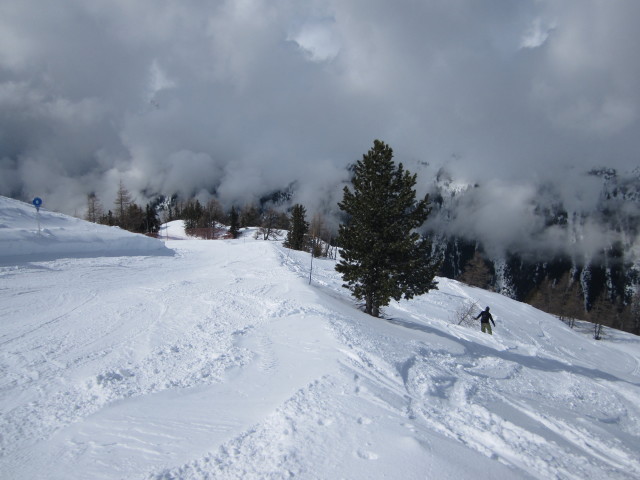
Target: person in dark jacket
(485, 317)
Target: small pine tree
(234, 223)
(135, 219)
(152, 221)
(299, 228)
(193, 215)
(635, 312)
(383, 256)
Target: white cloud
(158, 80)
(253, 95)
(536, 35)
(319, 40)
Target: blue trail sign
(37, 202)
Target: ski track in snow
(223, 363)
(503, 404)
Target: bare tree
(465, 313)
(477, 272)
(215, 212)
(597, 331)
(269, 226)
(570, 321)
(315, 232)
(122, 204)
(94, 209)
(319, 236)
(597, 315)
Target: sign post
(37, 202)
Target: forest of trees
(211, 221)
(126, 213)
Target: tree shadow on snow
(543, 364)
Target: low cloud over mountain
(245, 97)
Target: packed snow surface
(222, 361)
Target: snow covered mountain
(572, 252)
(223, 361)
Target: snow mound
(24, 237)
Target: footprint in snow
(367, 455)
(325, 422)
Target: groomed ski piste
(124, 357)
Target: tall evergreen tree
(383, 256)
(299, 228)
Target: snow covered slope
(58, 235)
(223, 362)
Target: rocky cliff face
(573, 252)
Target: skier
(485, 317)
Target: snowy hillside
(221, 361)
(28, 236)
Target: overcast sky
(247, 96)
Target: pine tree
(383, 256)
(193, 215)
(135, 219)
(234, 225)
(299, 228)
(151, 222)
